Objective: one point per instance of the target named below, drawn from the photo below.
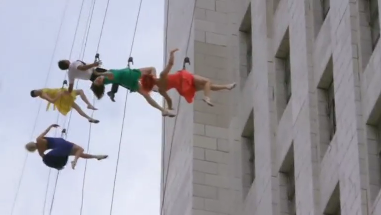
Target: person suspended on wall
(63, 101)
(61, 149)
(80, 70)
(128, 78)
(186, 83)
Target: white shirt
(75, 73)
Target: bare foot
(231, 86)
(91, 107)
(207, 101)
(101, 157)
(73, 164)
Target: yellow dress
(63, 104)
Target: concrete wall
(178, 132)
(207, 165)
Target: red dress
(183, 82)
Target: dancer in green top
(128, 78)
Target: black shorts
(94, 76)
(56, 162)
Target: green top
(128, 78)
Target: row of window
(327, 92)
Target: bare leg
(148, 70)
(89, 156)
(217, 87)
(154, 104)
(77, 151)
(84, 98)
(206, 85)
(80, 112)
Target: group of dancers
(143, 81)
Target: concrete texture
(206, 151)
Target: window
(248, 155)
(246, 52)
(333, 206)
(331, 110)
(374, 22)
(287, 183)
(287, 78)
(374, 159)
(326, 109)
(282, 90)
(325, 5)
(249, 53)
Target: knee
(152, 69)
(77, 148)
(206, 81)
(80, 149)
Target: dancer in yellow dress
(64, 101)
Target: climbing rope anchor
(186, 61)
(130, 61)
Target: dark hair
(33, 93)
(63, 65)
(98, 90)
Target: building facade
(300, 134)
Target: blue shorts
(57, 158)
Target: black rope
(103, 24)
(92, 113)
(163, 153)
(124, 112)
(50, 170)
(39, 106)
(55, 187)
(178, 105)
(83, 50)
(64, 132)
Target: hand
(174, 50)
(54, 126)
(98, 63)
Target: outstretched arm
(70, 89)
(108, 75)
(88, 66)
(167, 99)
(42, 135)
(171, 61)
(50, 99)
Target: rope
(71, 52)
(50, 170)
(55, 187)
(92, 113)
(178, 105)
(124, 113)
(39, 106)
(103, 24)
(165, 51)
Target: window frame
(331, 111)
(325, 6)
(287, 78)
(249, 52)
(374, 22)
